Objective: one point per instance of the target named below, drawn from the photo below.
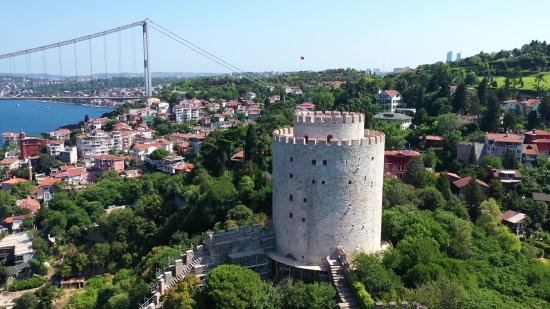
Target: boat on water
(17, 105)
(47, 107)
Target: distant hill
(124, 74)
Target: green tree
(232, 286)
(323, 101)
(443, 185)
(447, 123)
(510, 121)
(416, 173)
(26, 301)
(22, 189)
(431, 199)
(510, 160)
(496, 190)
(482, 92)
(158, 154)
(544, 107)
(459, 99)
(430, 158)
(490, 121)
(241, 214)
(472, 158)
(451, 139)
(395, 135)
(492, 161)
(183, 295)
(46, 295)
(473, 196)
(489, 218)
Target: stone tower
(327, 187)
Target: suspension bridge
(146, 25)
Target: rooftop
(464, 181)
(13, 181)
(396, 116)
(406, 153)
(530, 149)
(20, 242)
(541, 197)
(512, 216)
(505, 137)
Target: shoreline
(67, 103)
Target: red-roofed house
(29, 203)
(183, 169)
(389, 100)
(7, 185)
(396, 162)
(431, 141)
(539, 138)
(529, 155)
(304, 107)
(499, 143)
(73, 175)
(459, 186)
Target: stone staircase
(187, 270)
(346, 299)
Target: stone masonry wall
(320, 125)
(327, 195)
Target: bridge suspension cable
(204, 53)
(80, 39)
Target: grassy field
(528, 80)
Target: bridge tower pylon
(146, 66)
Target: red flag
(302, 58)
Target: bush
(364, 300)
(26, 284)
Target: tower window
(324, 162)
(290, 215)
(350, 182)
(329, 137)
(323, 182)
(306, 138)
(313, 181)
(291, 176)
(291, 159)
(303, 219)
(290, 197)
(313, 162)
(305, 200)
(372, 158)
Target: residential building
(431, 141)
(530, 155)
(108, 163)
(450, 56)
(509, 178)
(28, 203)
(59, 134)
(274, 98)
(186, 112)
(253, 115)
(16, 247)
(10, 139)
(524, 106)
(53, 148)
(286, 89)
(95, 124)
(391, 118)
(95, 144)
(249, 95)
(163, 107)
(464, 149)
(30, 146)
(270, 88)
(184, 169)
(516, 221)
(10, 163)
(458, 56)
(396, 162)
(140, 152)
(539, 138)
(195, 143)
(499, 143)
(389, 100)
(468, 118)
(297, 91)
(304, 107)
(169, 164)
(459, 186)
(72, 175)
(68, 155)
(7, 185)
(541, 197)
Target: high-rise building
(458, 56)
(327, 188)
(450, 56)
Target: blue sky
(266, 35)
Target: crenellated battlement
(286, 136)
(328, 117)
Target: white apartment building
(69, 155)
(140, 152)
(53, 148)
(389, 100)
(249, 95)
(185, 113)
(98, 144)
(499, 143)
(118, 144)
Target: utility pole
(146, 67)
